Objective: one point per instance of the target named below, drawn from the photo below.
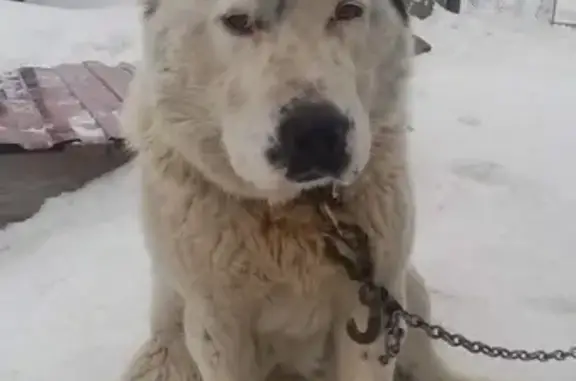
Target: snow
(493, 148)
(565, 12)
(32, 34)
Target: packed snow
(565, 11)
(494, 144)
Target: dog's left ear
(150, 7)
(400, 6)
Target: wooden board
(46, 107)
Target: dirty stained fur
(241, 287)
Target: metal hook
(368, 297)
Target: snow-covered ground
(493, 149)
(565, 11)
(33, 34)
(79, 4)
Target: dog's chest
(296, 315)
(295, 331)
(300, 285)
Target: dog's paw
(158, 362)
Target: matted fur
(242, 290)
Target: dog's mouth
(314, 179)
(317, 178)
(312, 176)
(331, 191)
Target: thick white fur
(242, 290)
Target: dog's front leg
(360, 362)
(218, 337)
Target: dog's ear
(401, 8)
(149, 7)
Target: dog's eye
(238, 24)
(348, 11)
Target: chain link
(438, 332)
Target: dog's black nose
(312, 142)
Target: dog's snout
(312, 142)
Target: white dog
(238, 109)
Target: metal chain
(438, 332)
(395, 334)
(349, 246)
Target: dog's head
(270, 97)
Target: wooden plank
(20, 121)
(115, 78)
(70, 120)
(94, 96)
(42, 106)
(128, 68)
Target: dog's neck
(309, 219)
(303, 207)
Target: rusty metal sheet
(42, 107)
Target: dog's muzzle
(312, 143)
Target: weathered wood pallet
(42, 108)
(59, 128)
